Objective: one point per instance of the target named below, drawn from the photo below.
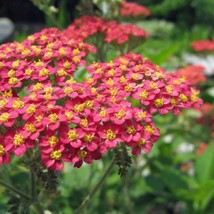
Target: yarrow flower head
(193, 73)
(203, 45)
(42, 104)
(134, 10)
(111, 31)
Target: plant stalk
(89, 197)
(15, 190)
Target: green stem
(15, 190)
(89, 197)
(32, 184)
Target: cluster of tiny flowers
(33, 78)
(193, 73)
(203, 45)
(207, 117)
(112, 31)
(42, 105)
(133, 9)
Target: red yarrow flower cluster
(203, 45)
(43, 106)
(133, 9)
(193, 73)
(111, 31)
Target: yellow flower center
(56, 154)
(15, 64)
(11, 73)
(3, 102)
(81, 154)
(47, 96)
(128, 87)
(37, 51)
(158, 74)
(141, 142)
(177, 82)
(122, 79)
(1, 150)
(79, 107)
(141, 114)
(30, 127)
(194, 98)
(25, 52)
(111, 72)
(84, 122)
(110, 135)
(69, 115)
(135, 76)
(153, 85)
(43, 37)
(76, 59)
(4, 117)
(48, 54)
(62, 51)
(144, 94)
(131, 130)
(53, 117)
(113, 91)
(169, 89)
(52, 141)
(159, 102)
(76, 51)
(99, 71)
(120, 114)
(173, 101)
(13, 80)
(88, 138)
(150, 129)
(89, 104)
(43, 72)
(39, 118)
(90, 80)
(110, 81)
(183, 98)
(38, 63)
(38, 86)
(31, 109)
(62, 73)
(18, 104)
(102, 113)
(123, 67)
(113, 99)
(28, 71)
(72, 135)
(67, 65)
(18, 139)
(48, 89)
(7, 94)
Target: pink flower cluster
(193, 73)
(112, 31)
(133, 9)
(41, 104)
(203, 45)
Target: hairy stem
(15, 190)
(94, 190)
(32, 184)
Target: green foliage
(184, 12)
